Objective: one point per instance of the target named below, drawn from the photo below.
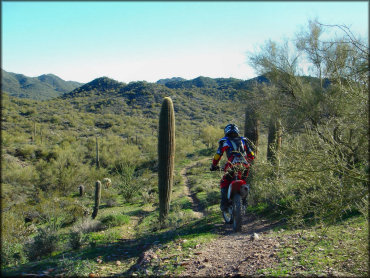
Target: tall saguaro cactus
(274, 140)
(166, 156)
(251, 127)
(97, 154)
(97, 198)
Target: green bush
(116, 220)
(12, 253)
(76, 239)
(87, 225)
(108, 197)
(74, 210)
(25, 152)
(126, 183)
(77, 268)
(43, 244)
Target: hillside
(43, 87)
(198, 102)
(49, 150)
(166, 80)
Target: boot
(224, 200)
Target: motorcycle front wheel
(237, 214)
(228, 215)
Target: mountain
(166, 80)
(202, 98)
(99, 85)
(43, 87)
(217, 83)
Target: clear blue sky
(130, 41)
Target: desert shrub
(88, 225)
(25, 152)
(112, 202)
(126, 182)
(14, 233)
(147, 182)
(74, 210)
(77, 268)
(51, 209)
(18, 173)
(210, 135)
(112, 154)
(76, 239)
(80, 230)
(307, 186)
(184, 146)
(12, 253)
(43, 244)
(109, 197)
(113, 220)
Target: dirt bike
(237, 197)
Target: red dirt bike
(237, 197)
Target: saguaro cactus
(166, 156)
(97, 154)
(97, 198)
(274, 140)
(251, 127)
(81, 189)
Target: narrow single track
(195, 204)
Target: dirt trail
(196, 206)
(232, 254)
(242, 253)
(235, 254)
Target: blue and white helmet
(231, 128)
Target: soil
(196, 206)
(236, 254)
(233, 254)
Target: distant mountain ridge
(48, 86)
(166, 80)
(43, 87)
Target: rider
(237, 151)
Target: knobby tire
(237, 213)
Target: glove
(214, 168)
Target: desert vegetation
(309, 131)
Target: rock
(255, 236)
(118, 263)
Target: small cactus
(97, 199)
(166, 156)
(81, 189)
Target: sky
(132, 41)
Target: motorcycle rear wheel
(237, 214)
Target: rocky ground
(234, 254)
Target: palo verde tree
(324, 115)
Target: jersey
(237, 150)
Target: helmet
(231, 128)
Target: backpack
(237, 150)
